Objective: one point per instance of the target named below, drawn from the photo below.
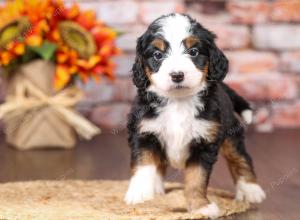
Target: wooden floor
(276, 158)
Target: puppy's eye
(157, 55)
(194, 52)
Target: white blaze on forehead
(175, 28)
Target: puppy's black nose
(177, 76)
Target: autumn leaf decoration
(81, 46)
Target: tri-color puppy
(184, 115)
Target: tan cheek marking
(204, 71)
(238, 165)
(147, 71)
(159, 44)
(195, 191)
(189, 43)
(149, 74)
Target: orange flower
(54, 36)
(62, 77)
(34, 40)
(102, 34)
(88, 64)
(61, 57)
(87, 19)
(5, 58)
(42, 27)
(11, 11)
(98, 69)
(19, 49)
(37, 10)
(72, 12)
(73, 69)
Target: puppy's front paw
(159, 188)
(211, 211)
(144, 185)
(138, 193)
(250, 192)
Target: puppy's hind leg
(148, 168)
(241, 168)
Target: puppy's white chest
(176, 133)
(176, 126)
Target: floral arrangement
(80, 45)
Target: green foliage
(46, 51)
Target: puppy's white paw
(138, 193)
(144, 185)
(211, 211)
(250, 192)
(159, 185)
(247, 115)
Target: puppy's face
(176, 59)
(174, 55)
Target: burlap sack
(37, 117)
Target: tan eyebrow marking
(190, 41)
(159, 44)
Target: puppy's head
(177, 57)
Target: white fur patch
(144, 184)
(175, 28)
(211, 210)
(250, 192)
(176, 126)
(247, 115)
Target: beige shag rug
(98, 200)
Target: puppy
(183, 115)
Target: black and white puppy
(184, 115)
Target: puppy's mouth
(179, 87)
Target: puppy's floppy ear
(139, 76)
(218, 64)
